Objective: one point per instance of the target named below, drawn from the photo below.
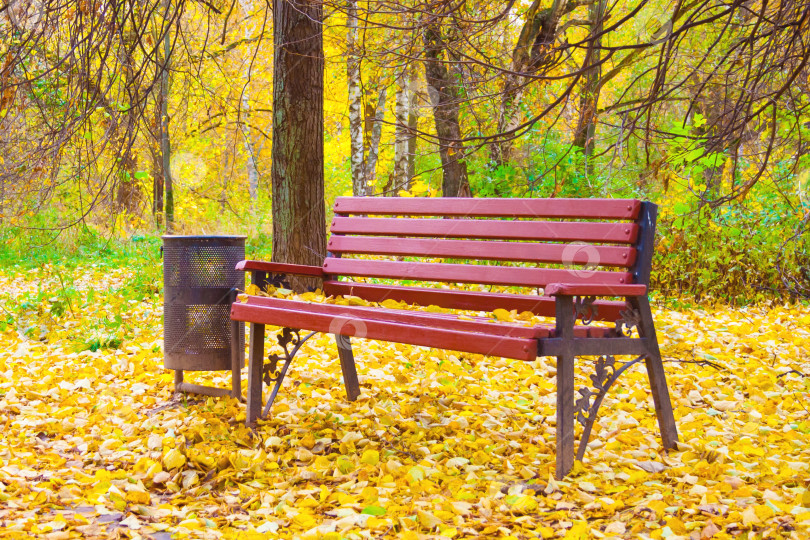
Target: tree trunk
(531, 54)
(250, 151)
(413, 121)
(374, 141)
(8, 92)
(157, 161)
(226, 158)
(358, 165)
(128, 193)
(299, 217)
(401, 136)
(444, 97)
(165, 146)
(589, 99)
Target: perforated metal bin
(199, 285)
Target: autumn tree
(299, 222)
(444, 89)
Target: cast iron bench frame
(619, 232)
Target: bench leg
(565, 388)
(344, 347)
(256, 363)
(658, 379)
(565, 415)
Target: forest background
(121, 120)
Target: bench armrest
(598, 289)
(280, 268)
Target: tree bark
(413, 121)
(128, 193)
(400, 175)
(532, 53)
(165, 145)
(157, 161)
(250, 151)
(374, 141)
(226, 158)
(445, 99)
(584, 136)
(358, 165)
(299, 217)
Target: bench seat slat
(559, 231)
(441, 338)
(543, 306)
(447, 321)
(485, 250)
(464, 273)
(561, 208)
(345, 313)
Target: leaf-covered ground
(95, 444)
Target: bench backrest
(552, 240)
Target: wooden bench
(523, 244)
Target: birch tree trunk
(250, 151)
(358, 165)
(299, 215)
(374, 142)
(400, 175)
(413, 123)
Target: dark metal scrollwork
(585, 308)
(606, 373)
(270, 372)
(630, 318)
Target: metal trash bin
(200, 283)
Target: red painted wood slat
(600, 289)
(559, 231)
(471, 207)
(447, 321)
(465, 273)
(280, 268)
(507, 347)
(486, 250)
(450, 322)
(457, 299)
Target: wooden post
(565, 387)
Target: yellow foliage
(439, 443)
